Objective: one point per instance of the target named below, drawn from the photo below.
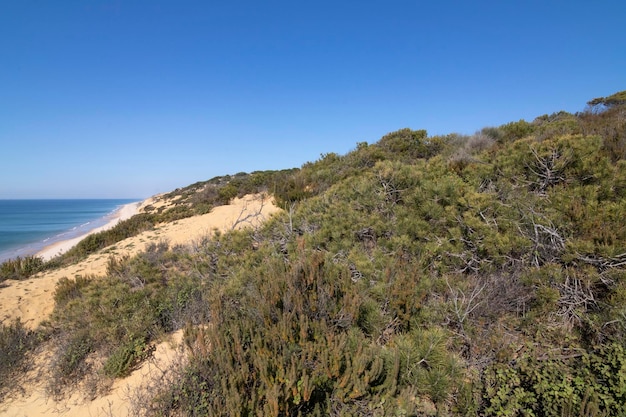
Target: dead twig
(248, 218)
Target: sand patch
(116, 403)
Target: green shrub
(20, 268)
(427, 365)
(576, 382)
(69, 289)
(123, 360)
(16, 341)
(70, 363)
(398, 282)
(515, 130)
(118, 317)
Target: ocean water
(27, 226)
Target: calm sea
(27, 226)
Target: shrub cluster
(20, 268)
(480, 275)
(404, 282)
(15, 342)
(117, 318)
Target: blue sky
(131, 98)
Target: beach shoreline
(58, 248)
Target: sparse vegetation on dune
(195, 199)
(449, 275)
(16, 343)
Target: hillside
(419, 275)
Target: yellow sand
(32, 300)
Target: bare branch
(603, 264)
(547, 239)
(548, 169)
(248, 218)
(576, 299)
(464, 305)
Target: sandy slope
(32, 301)
(115, 403)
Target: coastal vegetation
(195, 199)
(16, 341)
(452, 275)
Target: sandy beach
(125, 212)
(32, 301)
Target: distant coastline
(57, 248)
(36, 227)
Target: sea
(28, 226)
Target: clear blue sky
(105, 98)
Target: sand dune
(32, 300)
(115, 403)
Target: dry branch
(248, 218)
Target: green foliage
(289, 343)
(407, 144)
(69, 289)
(556, 124)
(404, 145)
(606, 119)
(16, 341)
(227, 193)
(515, 130)
(616, 99)
(20, 268)
(126, 357)
(426, 363)
(118, 317)
(590, 383)
(452, 275)
(70, 359)
(97, 241)
(198, 198)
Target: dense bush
(124, 229)
(456, 275)
(20, 268)
(303, 339)
(574, 383)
